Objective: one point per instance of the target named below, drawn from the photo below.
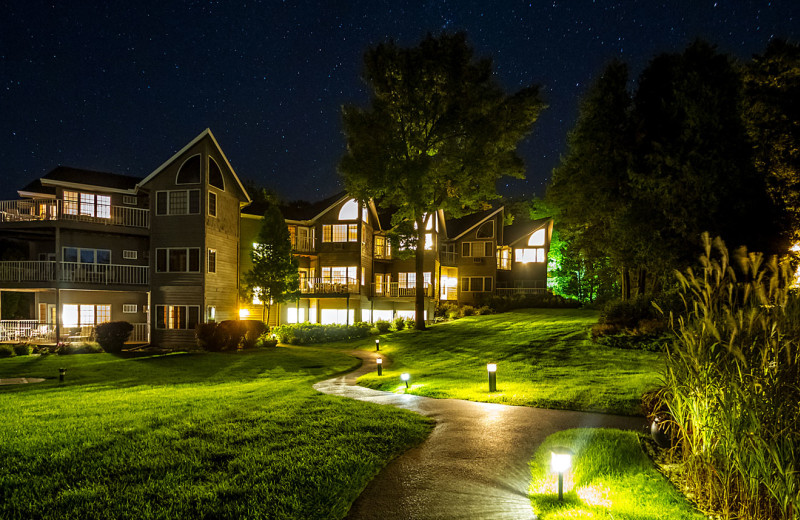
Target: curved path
(475, 462)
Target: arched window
(486, 230)
(189, 173)
(215, 175)
(537, 238)
(349, 210)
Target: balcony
(303, 245)
(43, 210)
(45, 271)
(329, 286)
(32, 331)
(394, 290)
(447, 258)
(383, 252)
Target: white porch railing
(30, 210)
(304, 244)
(106, 274)
(393, 290)
(27, 271)
(335, 285)
(502, 291)
(26, 330)
(140, 334)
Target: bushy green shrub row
(628, 313)
(307, 333)
(230, 335)
(383, 326)
(545, 300)
(62, 349)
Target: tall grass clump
(731, 395)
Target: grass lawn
(190, 436)
(544, 359)
(611, 478)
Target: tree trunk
(642, 281)
(419, 292)
(626, 283)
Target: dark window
(177, 260)
(189, 172)
(465, 284)
(486, 230)
(70, 254)
(194, 201)
(161, 260)
(487, 284)
(488, 250)
(465, 249)
(476, 284)
(103, 256)
(215, 175)
(161, 316)
(212, 204)
(194, 317)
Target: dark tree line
(703, 143)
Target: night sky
(121, 86)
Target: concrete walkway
(20, 380)
(475, 462)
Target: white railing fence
(334, 285)
(32, 331)
(394, 290)
(27, 271)
(106, 274)
(26, 210)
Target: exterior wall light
(560, 461)
(244, 313)
(377, 344)
(379, 361)
(492, 369)
(405, 376)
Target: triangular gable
(481, 221)
(203, 134)
(536, 226)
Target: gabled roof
(203, 134)
(67, 177)
(521, 230)
(299, 210)
(35, 189)
(456, 228)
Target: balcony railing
(394, 290)
(45, 271)
(304, 244)
(37, 210)
(333, 285)
(447, 258)
(504, 291)
(383, 253)
(106, 274)
(32, 331)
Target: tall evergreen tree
(273, 277)
(438, 133)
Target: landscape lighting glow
(491, 367)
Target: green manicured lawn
(190, 436)
(611, 478)
(544, 359)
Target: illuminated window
(181, 317)
(211, 313)
(103, 313)
(340, 233)
(428, 241)
(103, 206)
(84, 315)
(71, 202)
(537, 238)
(340, 274)
(87, 204)
(349, 210)
(364, 214)
(215, 175)
(212, 260)
(409, 280)
(528, 255)
(189, 172)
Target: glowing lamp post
(379, 361)
(560, 461)
(405, 377)
(62, 372)
(377, 344)
(492, 369)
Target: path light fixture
(377, 344)
(379, 361)
(492, 369)
(405, 376)
(62, 372)
(560, 461)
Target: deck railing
(27, 271)
(32, 331)
(447, 258)
(335, 285)
(503, 291)
(106, 274)
(34, 210)
(394, 290)
(304, 244)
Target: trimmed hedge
(6, 351)
(229, 335)
(307, 333)
(529, 301)
(112, 335)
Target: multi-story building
(167, 252)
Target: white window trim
(187, 249)
(200, 176)
(130, 308)
(461, 285)
(216, 201)
(208, 260)
(188, 203)
(130, 254)
(130, 200)
(187, 307)
(472, 248)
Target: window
(190, 171)
(73, 315)
(129, 254)
(178, 260)
(504, 258)
(103, 206)
(212, 204)
(409, 280)
(71, 202)
(130, 200)
(428, 241)
(476, 284)
(340, 233)
(349, 210)
(211, 313)
(537, 238)
(486, 230)
(477, 249)
(215, 175)
(527, 255)
(339, 274)
(212, 260)
(87, 204)
(86, 256)
(129, 308)
(178, 202)
(180, 317)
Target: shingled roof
(299, 210)
(457, 226)
(520, 229)
(66, 174)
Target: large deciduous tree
(273, 277)
(438, 133)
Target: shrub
(86, 348)
(229, 335)
(545, 300)
(467, 310)
(6, 351)
(399, 323)
(266, 341)
(112, 335)
(446, 309)
(307, 333)
(23, 349)
(484, 310)
(410, 324)
(383, 326)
